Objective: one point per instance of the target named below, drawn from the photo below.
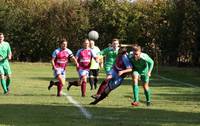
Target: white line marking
(180, 82)
(86, 113)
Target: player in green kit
(142, 69)
(5, 71)
(110, 55)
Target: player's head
(1, 37)
(136, 51)
(63, 43)
(115, 43)
(122, 51)
(86, 43)
(92, 43)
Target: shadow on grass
(51, 115)
(180, 97)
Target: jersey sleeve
(78, 53)
(9, 49)
(54, 53)
(149, 61)
(70, 53)
(103, 52)
(126, 61)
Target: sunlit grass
(30, 103)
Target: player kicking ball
(143, 66)
(117, 74)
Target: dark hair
(85, 40)
(63, 40)
(115, 39)
(122, 50)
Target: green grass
(31, 104)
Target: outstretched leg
(73, 83)
(52, 83)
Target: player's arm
(150, 63)
(77, 58)
(9, 52)
(74, 60)
(127, 70)
(103, 52)
(127, 64)
(53, 63)
(53, 58)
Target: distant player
(5, 70)
(110, 55)
(143, 66)
(59, 61)
(94, 67)
(117, 74)
(84, 57)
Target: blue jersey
(122, 63)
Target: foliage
(167, 29)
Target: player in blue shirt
(117, 74)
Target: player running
(5, 70)
(117, 74)
(143, 66)
(59, 63)
(84, 57)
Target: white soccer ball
(93, 35)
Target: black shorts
(94, 72)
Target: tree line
(169, 30)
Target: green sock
(135, 93)
(8, 81)
(3, 84)
(147, 95)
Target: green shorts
(107, 69)
(5, 69)
(144, 77)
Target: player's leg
(91, 79)
(55, 80)
(83, 85)
(145, 79)
(102, 86)
(8, 72)
(3, 81)
(103, 95)
(135, 78)
(52, 83)
(103, 83)
(73, 83)
(83, 77)
(96, 74)
(8, 81)
(60, 75)
(61, 81)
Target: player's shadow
(58, 114)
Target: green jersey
(143, 65)
(110, 57)
(5, 50)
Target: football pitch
(175, 100)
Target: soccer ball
(93, 35)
